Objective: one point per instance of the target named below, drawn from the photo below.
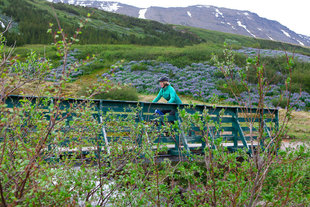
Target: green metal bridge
(238, 126)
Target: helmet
(162, 79)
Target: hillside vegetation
(32, 17)
(107, 55)
(113, 37)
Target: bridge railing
(237, 126)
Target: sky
(294, 14)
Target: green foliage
(281, 102)
(105, 27)
(119, 93)
(123, 177)
(234, 87)
(106, 55)
(95, 65)
(283, 174)
(301, 78)
(32, 136)
(139, 67)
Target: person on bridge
(168, 92)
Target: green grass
(299, 126)
(34, 16)
(107, 54)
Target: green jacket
(169, 94)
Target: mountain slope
(207, 17)
(226, 20)
(32, 17)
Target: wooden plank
(153, 117)
(249, 138)
(247, 120)
(182, 135)
(151, 107)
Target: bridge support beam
(241, 134)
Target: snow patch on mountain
(269, 37)
(110, 7)
(300, 42)
(142, 13)
(84, 4)
(189, 14)
(231, 25)
(218, 13)
(241, 25)
(286, 33)
(305, 38)
(247, 15)
(203, 6)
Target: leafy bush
(121, 93)
(94, 66)
(139, 67)
(218, 74)
(301, 79)
(235, 87)
(281, 102)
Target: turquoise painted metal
(237, 124)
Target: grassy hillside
(112, 37)
(106, 55)
(31, 19)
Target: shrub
(236, 87)
(301, 78)
(94, 66)
(122, 93)
(281, 102)
(139, 67)
(296, 87)
(218, 74)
